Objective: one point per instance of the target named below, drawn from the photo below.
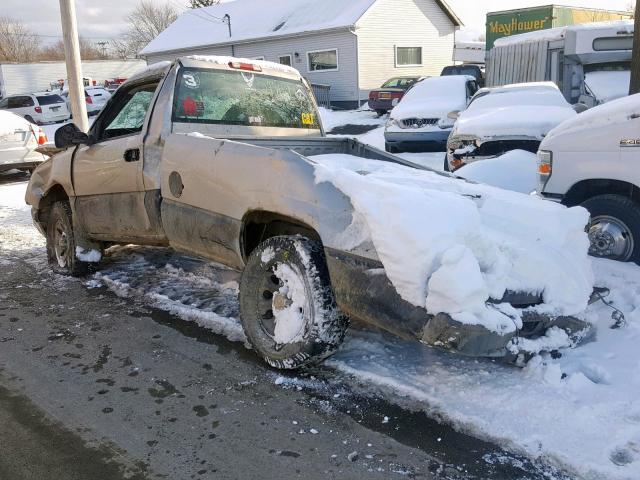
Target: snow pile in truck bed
(449, 245)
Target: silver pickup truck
(208, 155)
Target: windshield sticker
(248, 78)
(191, 80)
(308, 119)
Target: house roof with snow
(260, 19)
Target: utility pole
(73, 61)
(103, 47)
(635, 57)
(227, 19)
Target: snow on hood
(448, 245)
(530, 110)
(10, 122)
(433, 97)
(613, 112)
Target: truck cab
(593, 160)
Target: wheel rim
(61, 244)
(272, 299)
(610, 238)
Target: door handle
(132, 155)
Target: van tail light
(38, 109)
(89, 100)
(245, 66)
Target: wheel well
(587, 189)
(55, 194)
(259, 226)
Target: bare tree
(203, 3)
(17, 42)
(88, 51)
(146, 21)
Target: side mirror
(580, 107)
(69, 135)
(453, 115)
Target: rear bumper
(364, 292)
(435, 140)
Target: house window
(322, 60)
(408, 56)
(285, 60)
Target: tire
(268, 283)
(390, 148)
(381, 112)
(29, 119)
(446, 164)
(621, 218)
(61, 244)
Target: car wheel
(391, 148)
(381, 112)
(446, 164)
(614, 230)
(287, 306)
(61, 244)
(29, 119)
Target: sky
(101, 20)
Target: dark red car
(386, 97)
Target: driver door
(107, 175)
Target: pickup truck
(209, 155)
(589, 161)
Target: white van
(38, 108)
(593, 160)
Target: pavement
(96, 386)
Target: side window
(472, 88)
(23, 101)
(126, 114)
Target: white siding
(405, 23)
(36, 77)
(344, 81)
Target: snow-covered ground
(580, 411)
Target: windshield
(437, 87)
(461, 70)
(49, 99)
(399, 83)
(537, 97)
(608, 85)
(242, 98)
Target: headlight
(446, 122)
(545, 167)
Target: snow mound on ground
(461, 243)
(516, 170)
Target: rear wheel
(61, 243)
(288, 310)
(29, 119)
(614, 230)
(381, 112)
(446, 167)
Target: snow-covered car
(39, 108)
(390, 93)
(196, 155)
(592, 160)
(501, 119)
(95, 98)
(422, 120)
(19, 140)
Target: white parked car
(592, 160)
(38, 108)
(95, 97)
(18, 142)
(421, 121)
(506, 118)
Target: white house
(351, 45)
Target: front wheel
(614, 230)
(446, 167)
(61, 243)
(287, 306)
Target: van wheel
(614, 230)
(287, 306)
(61, 244)
(30, 119)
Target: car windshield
(519, 97)
(437, 88)
(399, 83)
(460, 70)
(242, 98)
(49, 99)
